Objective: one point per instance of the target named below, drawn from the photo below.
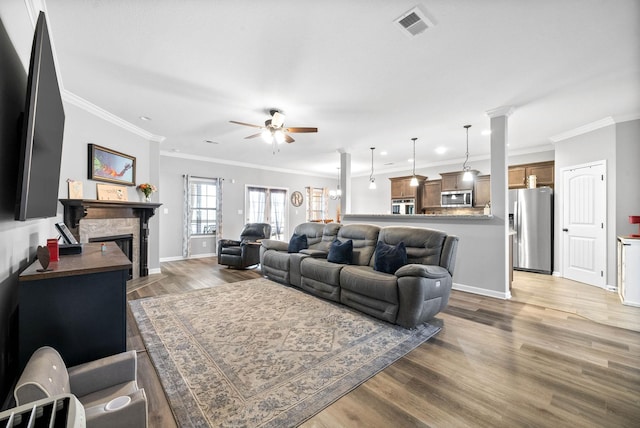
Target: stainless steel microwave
(456, 198)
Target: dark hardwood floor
(494, 364)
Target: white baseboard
(154, 271)
(556, 273)
(177, 258)
(482, 291)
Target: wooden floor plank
(559, 353)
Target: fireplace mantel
(78, 209)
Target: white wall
(627, 175)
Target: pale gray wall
(627, 175)
(236, 178)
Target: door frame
(560, 196)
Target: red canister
(52, 244)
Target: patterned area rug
(257, 353)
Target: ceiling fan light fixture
(266, 136)
(278, 135)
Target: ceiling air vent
(414, 22)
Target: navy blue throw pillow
(389, 258)
(297, 243)
(341, 252)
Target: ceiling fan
(274, 130)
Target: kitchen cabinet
(629, 270)
(454, 181)
(519, 174)
(431, 193)
(482, 190)
(401, 188)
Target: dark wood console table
(78, 308)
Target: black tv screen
(42, 133)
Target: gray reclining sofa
(409, 296)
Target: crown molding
(80, 102)
(500, 111)
(607, 121)
(242, 164)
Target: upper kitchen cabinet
(431, 193)
(543, 171)
(400, 187)
(454, 181)
(482, 191)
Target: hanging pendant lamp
(372, 181)
(414, 179)
(467, 176)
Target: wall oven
(457, 198)
(403, 206)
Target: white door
(584, 224)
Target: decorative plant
(147, 189)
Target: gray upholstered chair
(107, 388)
(244, 252)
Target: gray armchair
(107, 388)
(244, 252)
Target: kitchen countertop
(419, 217)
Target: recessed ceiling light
(486, 132)
(441, 150)
(145, 118)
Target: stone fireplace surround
(90, 218)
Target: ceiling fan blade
(278, 119)
(288, 138)
(254, 135)
(299, 129)
(245, 124)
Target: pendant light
(372, 181)
(467, 176)
(414, 179)
(336, 194)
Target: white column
(345, 183)
(500, 179)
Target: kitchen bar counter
(409, 218)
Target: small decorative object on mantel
(43, 258)
(75, 189)
(487, 209)
(635, 219)
(111, 192)
(147, 189)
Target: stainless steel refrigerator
(531, 217)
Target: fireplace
(124, 242)
(91, 219)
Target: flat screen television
(42, 133)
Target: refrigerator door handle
(565, 230)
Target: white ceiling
(345, 67)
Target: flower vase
(147, 198)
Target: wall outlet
(204, 244)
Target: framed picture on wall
(111, 166)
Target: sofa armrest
(133, 415)
(273, 244)
(103, 373)
(424, 271)
(319, 254)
